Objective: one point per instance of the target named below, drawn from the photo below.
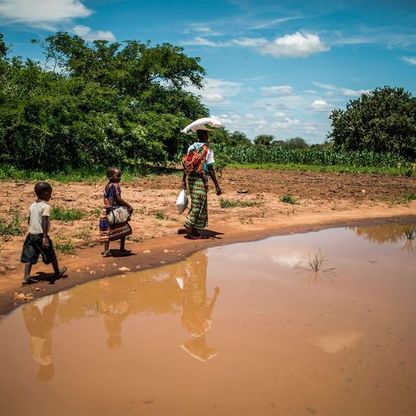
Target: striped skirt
(198, 214)
(112, 232)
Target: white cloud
(86, 33)
(320, 105)
(201, 28)
(280, 114)
(250, 42)
(353, 93)
(296, 45)
(42, 13)
(200, 41)
(291, 259)
(278, 90)
(346, 92)
(216, 90)
(410, 60)
(273, 22)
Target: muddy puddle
(244, 329)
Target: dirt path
(322, 200)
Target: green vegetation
(65, 247)
(101, 103)
(11, 227)
(381, 121)
(160, 215)
(96, 104)
(410, 197)
(233, 203)
(67, 214)
(406, 198)
(312, 157)
(288, 199)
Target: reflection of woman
(39, 323)
(197, 310)
(198, 165)
(112, 198)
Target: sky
(272, 67)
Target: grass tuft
(67, 214)
(288, 199)
(65, 247)
(160, 215)
(12, 227)
(233, 203)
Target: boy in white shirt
(37, 241)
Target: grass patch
(410, 197)
(395, 171)
(67, 214)
(233, 203)
(65, 247)
(160, 215)
(86, 175)
(11, 227)
(288, 199)
(406, 198)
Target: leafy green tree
(296, 143)
(264, 140)
(98, 103)
(383, 120)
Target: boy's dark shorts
(32, 247)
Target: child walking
(38, 241)
(112, 199)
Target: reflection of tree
(39, 323)
(386, 233)
(197, 309)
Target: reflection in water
(340, 349)
(196, 309)
(381, 234)
(169, 290)
(113, 305)
(39, 321)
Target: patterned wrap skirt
(198, 214)
(112, 232)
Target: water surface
(244, 329)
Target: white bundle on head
(206, 123)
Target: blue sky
(273, 67)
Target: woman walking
(112, 199)
(198, 164)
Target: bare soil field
(250, 208)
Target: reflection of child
(37, 241)
(39, 323)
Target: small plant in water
(315, 262)
(409, 231)
(288, 199)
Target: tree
(296, 143)
(98, 103)
(264, 140)
(383, 120)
